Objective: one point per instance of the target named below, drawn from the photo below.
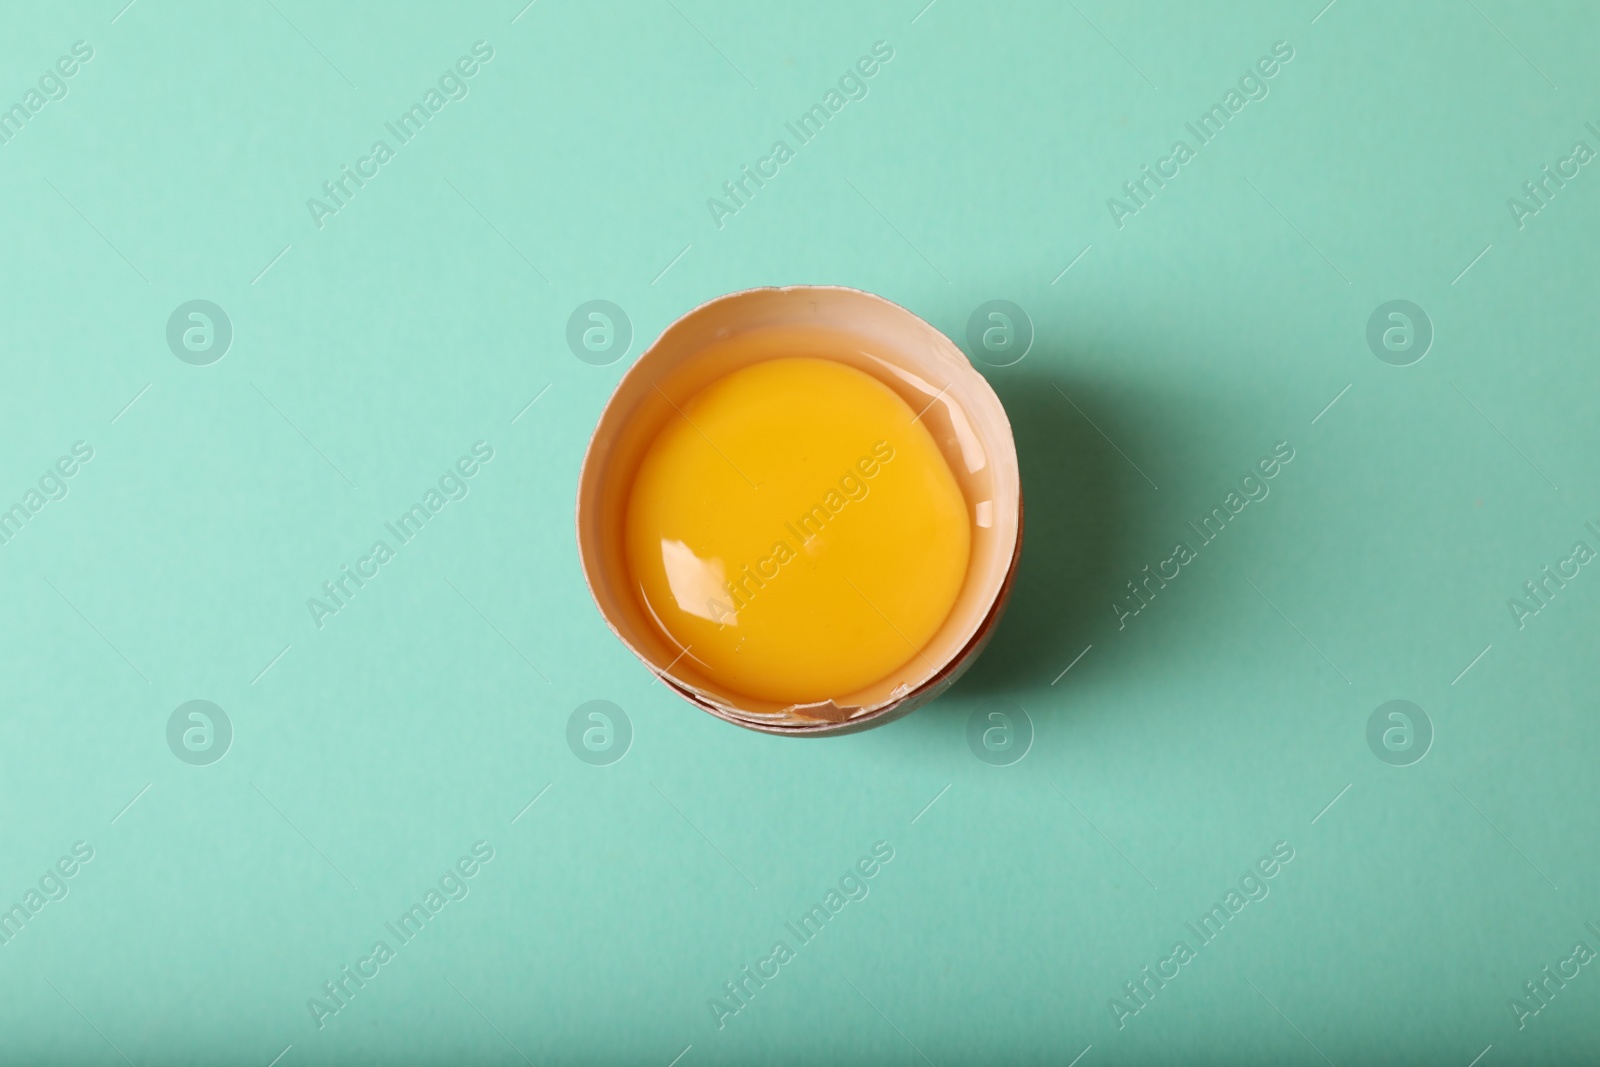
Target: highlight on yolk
(795, 528)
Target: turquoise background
(368, 354)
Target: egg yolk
(795, 531)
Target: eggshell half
(929, 372)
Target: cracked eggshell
(929, 372)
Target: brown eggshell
(885, 340)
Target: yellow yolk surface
(796, 529)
